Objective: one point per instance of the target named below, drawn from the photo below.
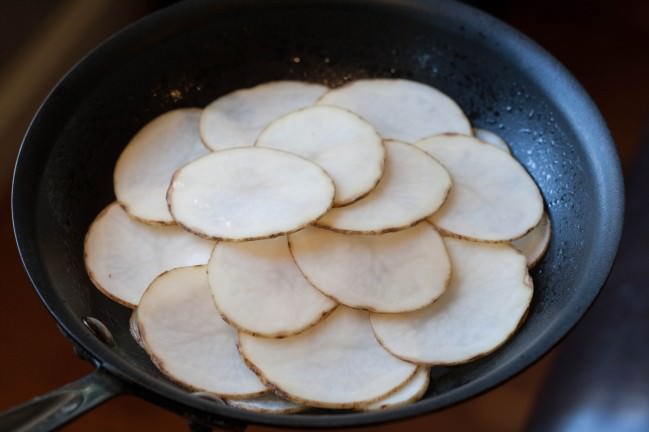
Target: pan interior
(190, 54)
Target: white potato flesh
(393, 272)
(134, 329)
(144, 169)
(413, 186)
(534, 244)
(489, 294)
(268, 403)
(492, 138)
(123, 256)
(235, 119)
(411, 392)
(259, 289)
(400, 109)
(493, 198)
(343, 144)
(249, 193)
(186, 338)
(335, 364)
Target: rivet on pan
(208, 396)
(99, 329)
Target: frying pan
(191, 53)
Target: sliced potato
(400, 109)
(134, 329)
(123, 256)
(394, 272)
(493, 198)
(249, 193)
(343, 144)
(144, 169)
(187, 339)
(491, 138)
(489, 294)
(268, 403)
(534, 244)
(411, 392)
(259, 289)
(412, 188)
(335, 364)
(235, 119)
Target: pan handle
(53, 410)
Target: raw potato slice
(493, 198)
(491, 138)
(413, 187)
(394, 272)
(400, 109)
(259, 289)
(186, 338)
(123, 256)
(145, 167)
(235, 119)
(335, 364)
(134, 329)
(343, 144)
(249, 193)
(268, 403)
(534, 244)
(411, 392)
(487, 298)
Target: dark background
(605, 44)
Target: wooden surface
(606, 46)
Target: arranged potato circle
(267, 403)
(488, 296)
(393, 272)
(177, 304)
(400, 109)
(144, 169)
(413, 187)
(122, 256)
(493, 198)
(258, 288)
(336, 364)
(249, 193)
(410, 392)
(492, 138)
(534, 244)
(235, 119)
(342, 143)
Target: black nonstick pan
(191, 53)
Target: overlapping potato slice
(534, 244)
(235, 119)
(249, 193)
(268, 403)
(343, 144)
(400, 109)
(488, 296)
(144, 169)
(491, 138)
(335, 364)
(187, 339)
(412, 188)
(259, 289)
(412, 391)
(493, 198)
(393, 272)
(123, 256)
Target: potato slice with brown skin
(535, 243)
(393, 272)
(259, 289)
(342, 143)
(235, 119)
(268, 403)
(414, 186)
(400, 109)
(186, 338)
(249, 193)
(488, 297)
(492, 138)
(492, 199)
(411, 392)
(335, 364)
